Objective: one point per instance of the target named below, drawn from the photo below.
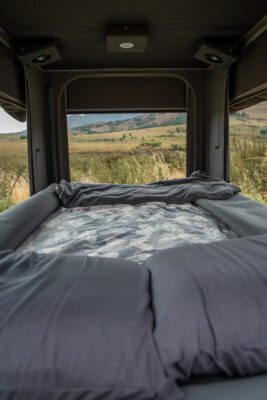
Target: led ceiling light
(214, 58)
(127, 38)
(39, 56)
(126, 45)
(42, 58)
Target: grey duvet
(177, 191)
(125, 231)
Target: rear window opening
(131, 148)
(248, 151)
(14, 179)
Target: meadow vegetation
(137, 156)
(14, 185)
(249, 167)
(140, 156)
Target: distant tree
(263, 131)
(23, 136)
(242, 116)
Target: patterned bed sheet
(125, 231)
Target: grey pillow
(20, 221)
(75, 327)
(210, 303)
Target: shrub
(150, 144)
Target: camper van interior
(133, 200)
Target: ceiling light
(126, 45)
(41, 58)
(127, 38)
(214, 58)
(214, 55)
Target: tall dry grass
(249, 167)
(133, 168)
(14, 188)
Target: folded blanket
(177, 191)
(77, 328)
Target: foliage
(249, 167)
(14, 185)
(242, 116)
(149, 144)
(131, 168)
(8, 181)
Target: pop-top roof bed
(180, 305)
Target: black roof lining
(175, 28)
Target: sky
(9, 124)
(76, 120)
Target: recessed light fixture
(214, 58)
(39, 56)
(42, 58)
(126, 45)
(127, 38)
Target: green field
(139, 156)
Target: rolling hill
(104, 123)
(139, 121)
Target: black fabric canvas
(210, 304)
(75, 327)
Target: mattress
(133, 232)
(213, 388)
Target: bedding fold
(188, 190)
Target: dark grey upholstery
(12, 84)
(245, 216)
(21, 220)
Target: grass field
(139, 156)
(136, 156)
